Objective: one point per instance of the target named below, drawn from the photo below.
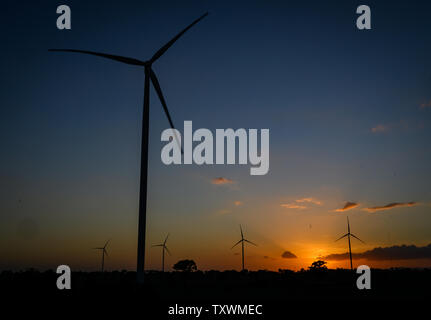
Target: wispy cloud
(230, 208)
(293, 206)
(403, 252)
(380, 128)
(221, 181)
(288, 255)
(302, 201)
(425, 105)
(391, 206)
(310, 200)
(348, 206)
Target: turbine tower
(150, 76)
(242, 245)
(348, 235)
(164, 247)
(103, 253)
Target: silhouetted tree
(318, 265)
(185, 265)
(286, 271)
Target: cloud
(221, 181)
(310, 200)
(348, 206)
(238, 203)
(380, 128)
(293, 206)
(288, 255)
(403, 252)
(391, 206)
(268, 257)
(425, 105)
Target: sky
(349, 114)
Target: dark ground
(279, 292)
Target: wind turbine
(149, 76)
(164, 247)
(103, 253)
(242, 244)
(348, 235)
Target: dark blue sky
(70, 124)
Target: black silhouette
(348, 235)
(318, 265)
(242, 244)
(149, 76)
(164, 247)
(103, 253)
(275, 290)
(185, 266)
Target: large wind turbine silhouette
(149, 76)
(103, 253)
(164, 247)
(348, 235)
(242, 244)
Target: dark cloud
(391, 206)
(403, 252)
(348, 206)
(288, 255)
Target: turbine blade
(357, 238)
(348, 225)
(127, 60)
(163, 49)
(342, 237)
(250, 242)
(157, 245)
(106, 243)
(106, 252)
(97, 248)
(156, 86)
(165, 247)
(166, 239)
(236, 244)
(240, 228)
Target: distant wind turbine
(103, 253)
(164, 247)
(242, 244)
(149, 76)
(348, 235)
